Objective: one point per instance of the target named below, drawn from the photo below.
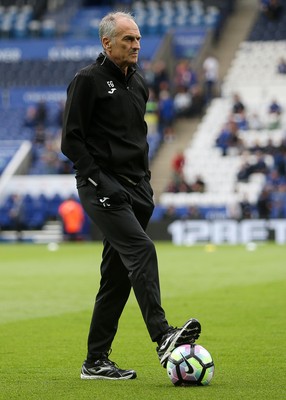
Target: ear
(106, 44)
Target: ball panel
(208, 376)
(203, 354)
(190, 369)
(172, 372)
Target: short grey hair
(107, 26)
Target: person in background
(72, 216)
(182, 102)
(105, 136)
(281, 67)
(41, 113)
(199, 184)
(238, 106)
(161, 79)
(178, 162)
(151, 116)
(166, 115)
(274, 115)
(272, 9)
(17, 216)
(211, 77)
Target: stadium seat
(48, 28)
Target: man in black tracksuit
(105, 136)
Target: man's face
(124, 48)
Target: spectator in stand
(272, 9)
(39, 135)
(281, 67)
(65, 167)
(263, 204)
(60, 114)
(151, 115)
(198, 185)
(148, 73)
(185, 77)
(72, 216)
(244, 172)
(237, 105)
(222, 140)
(275, 180)
(30, 117)
(256, 147)
(278, 197)
(241, 120)
(260, 166)
(41, 113)
(247, 168)
(197, 105)
(254, 121)
(161, 79)
(274, 115)
(211, 77)
(179, 184)
(194, 213)
(170, 214)
(178, 162)
(178, 181)
(245, 208)
(229, 138)
(50, 158)
(269, 148)
(239, 112)
(234, 140)
(166, 115)
(183, 186)
(280, 160)
(17, 216)
(275, 107)
(182, 102)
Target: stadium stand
(35, 19)
(270, 24)
(255, 77)
(37, 73)
(54, 42)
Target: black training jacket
(104, 126)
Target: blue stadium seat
(48, 28)
(158, 213)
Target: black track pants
(129, 258)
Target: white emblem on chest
(110, 84)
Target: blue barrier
(65, 49)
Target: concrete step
(51, 232)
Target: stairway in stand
(235, 31)
(51, 233)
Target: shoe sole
(122, 378)
(189, 332)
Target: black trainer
(105, 369)
(188, 333)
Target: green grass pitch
(46, 302)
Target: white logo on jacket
(111, 85)
(104, 202)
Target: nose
(136, 44)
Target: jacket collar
(103, 59)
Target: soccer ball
(190, 364)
